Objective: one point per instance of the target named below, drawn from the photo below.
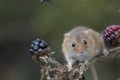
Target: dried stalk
(93, 71)
(60, 72)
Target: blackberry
(39, 47)
(111, 35)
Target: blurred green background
(22, 21)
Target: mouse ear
(66, 35)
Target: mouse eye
(84, 42)
(73, 44)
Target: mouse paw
(69, 67)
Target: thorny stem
(58, 70)
(43, 72)
(61, 71)
(113, 53)
(53, 61)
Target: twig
(93, 71)
(60, 72)
(113, 53)
(53, 61)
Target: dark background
(22, 21)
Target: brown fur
(94, 45)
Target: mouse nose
(80, 49)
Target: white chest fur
(80, 57)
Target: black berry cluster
(111, 35)
(38, 46)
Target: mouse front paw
(69, 67)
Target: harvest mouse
(81, 44)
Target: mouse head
(75, 42)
